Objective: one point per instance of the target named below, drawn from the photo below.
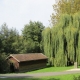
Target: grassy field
(62, 77)
(51, 69)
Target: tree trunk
(75, 65)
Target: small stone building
(26, 62)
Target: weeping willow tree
(47, 45)
(61, 43)
(78, 50)
(76, 23)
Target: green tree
(62, 42)
(18, 45)
(32, 36)
(47, 45)
(8, 37)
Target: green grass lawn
(51, 69)
(61, 77)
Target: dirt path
(20, 75)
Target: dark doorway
(12, 69)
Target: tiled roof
(28, 57)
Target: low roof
(28, 57)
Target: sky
(18, 13)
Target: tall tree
(47, 45)
(62, 41)
(64, 6)
(32, 36)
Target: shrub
(4, 67)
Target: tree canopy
(7, 39)
(32, 36)
(29, 41)
(64, 6)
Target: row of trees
(28, 42)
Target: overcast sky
(17, 13)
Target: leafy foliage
(30, 40)
(61, 42)
(13, 43)
(7, 39)
(32, 37)
(62, 7)
(46, 34)
(4, 67)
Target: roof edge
(14, 58)
(44, 55)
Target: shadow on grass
(26, 79)
(40, 79)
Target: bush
(4, 67)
